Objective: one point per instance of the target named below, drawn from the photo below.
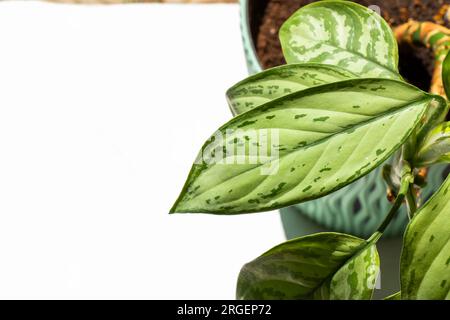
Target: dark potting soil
(395, 12)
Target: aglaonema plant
(335, 112)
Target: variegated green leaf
(281, 81)
(344, 34)
(302, 146)
(435, 115)
(435, 148)
(425, 262)
(325, 266)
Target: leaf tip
(175, 207)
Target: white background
(102, 111)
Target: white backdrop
(102, 111)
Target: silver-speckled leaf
(425, 262)
(324, 266)
(302, 146)
(344, 34)
(281, 81)
(435, 148)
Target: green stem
(406, 181)
(411, 201)
(391, 214)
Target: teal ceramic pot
(248, 32)
(358, 208)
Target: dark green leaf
(326, 266)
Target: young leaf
(435, 148)
(435, 115)
(425, 261)
(302, 146)
(281, 81)
(324, 266)
(344, 34)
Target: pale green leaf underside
(281, 81)
(344, 34)
(425, 263)
(325, 266)
(328, 137)
(435, 114)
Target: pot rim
(247, 34)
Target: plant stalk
(411, 201)
(406, 182)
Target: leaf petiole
(411, 201)
(406, 181)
